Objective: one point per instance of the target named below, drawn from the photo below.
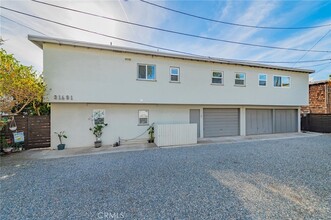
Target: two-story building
(131, 88)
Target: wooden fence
(316, 122)
(36, 130)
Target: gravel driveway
(275, 179)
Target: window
(98, 116)
(146, 72)
(240, 79)
(282, 81)
(262, 80)
(143, 117)
(174, 74)
(217, 78)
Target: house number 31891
(63, 97)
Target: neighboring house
(319, 98)
(131, 88)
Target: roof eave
(39, 41)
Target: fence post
(27, 131)
(309, 122)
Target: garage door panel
(221, 122)
(286, 120)
(258, 121)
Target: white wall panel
(175, 134)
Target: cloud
(29, 54)
(265, 14)
(270, 13)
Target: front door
(195, 119)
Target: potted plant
(61, 135)
(97, 131)
(3, 122)
(151, 134)
(6, 145)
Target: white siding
(101, 76)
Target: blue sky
(258, 13)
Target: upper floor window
(174, 74)
(240, 79)
(146, 72)
(263, 80)
(217, 78)
(282, 81)
(143, 117)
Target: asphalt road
(275, 179)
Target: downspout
(326, 97)
(328, 94)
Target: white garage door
(286, 120)
(258, 121)
(220, 122)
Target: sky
(290, 14)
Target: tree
(20, 85)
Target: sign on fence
(18, 137)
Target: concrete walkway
(48, 153)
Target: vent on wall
(127, 59)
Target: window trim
(235, 78)
(281, 85)
(170, 74)
(146, 65)
(212, 77)
(143, 124)
(266, 80)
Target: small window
(146, 72)
(174, 74)
(98, 116)
(240, 79)
(217, 78)
(143, 117)
(262, 80)
(282, 81)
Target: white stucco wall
(122, 121)
(102, 76)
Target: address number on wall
(63, 97)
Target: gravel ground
(276, 179)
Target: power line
(320, 70)
(321, 64)
(287, 62)
(97, 33)
(313, 46)
(234, 24)
(149, 45)
(180, 33)
(23, 25)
